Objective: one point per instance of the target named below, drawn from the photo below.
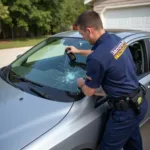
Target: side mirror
(19, 56)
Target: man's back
(117, 66)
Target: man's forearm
(85, 52)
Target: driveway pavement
(9, 55)
(145, 131)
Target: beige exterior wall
(100, 4)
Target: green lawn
(22, 42)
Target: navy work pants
(122, 130)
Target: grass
(22, 42)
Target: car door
(140, 53)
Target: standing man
(110, 65)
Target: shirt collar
(100, 40)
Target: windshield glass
(48, 64)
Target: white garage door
(127, 17)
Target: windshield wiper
(26, 80)
(12, 74)
(5, 76)
(33, 87)
(40, 93)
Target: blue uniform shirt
(111, 66)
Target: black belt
(129, 101)
(128, 97)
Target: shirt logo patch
(119, 49)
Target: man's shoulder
(112, 40)
(103, 52)
(109, 43)
(115, 36)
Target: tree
(4, 13)
(39, 17)
(67, 13)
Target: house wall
(100, 4)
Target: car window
(49, 65)
(137, 49)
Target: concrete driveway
(9, 55)
(145, 131)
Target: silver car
(41, 107)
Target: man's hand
(80, 82)
(85, 89)
(72, 49)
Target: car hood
(25, 117)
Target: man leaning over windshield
(110, 65)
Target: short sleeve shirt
(111, 66)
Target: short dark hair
(89, 18)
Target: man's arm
(90, 91)
(85, 89)
(94, 77)
(74, 50)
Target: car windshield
(47, 64)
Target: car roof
(122, 33)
